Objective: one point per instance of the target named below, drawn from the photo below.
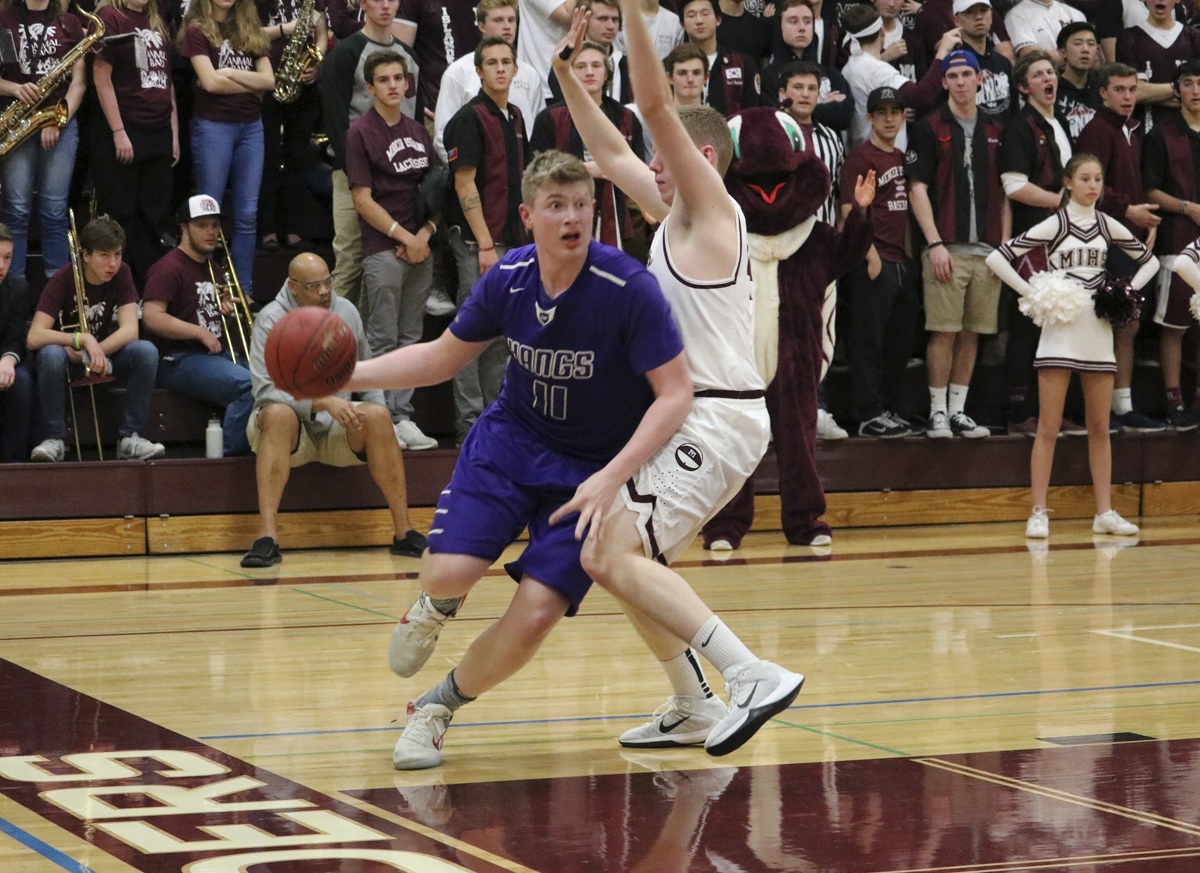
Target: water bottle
(213, 439)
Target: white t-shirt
(460, 84)
(865, 73)
(1032, 22)
(666, 32)
(537, 38)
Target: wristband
(281, 33)
(432, 227)
(392, 230)
(934, 244)
(118, 130)
(490, 248)
(75, 342)
(1183, 207)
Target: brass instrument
(242, 318)
(88, 379)
(299, 54)
(21, 120)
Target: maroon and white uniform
(40, 43)
(1155, 54)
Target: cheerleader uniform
(1076, 240)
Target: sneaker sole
(938, 435)
(696, 738)
(425, 763)
(259, 563)
(755, 719)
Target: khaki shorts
(969, 301)
(325, 445)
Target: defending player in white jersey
(700, 258)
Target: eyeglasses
(327, 282)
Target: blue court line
(993, 696)
(44, 849)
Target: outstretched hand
(864, 190)
(593, 499)
(569, 45)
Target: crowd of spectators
(967, 110)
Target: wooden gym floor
(971, 705)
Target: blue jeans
(217, 380)
(230, 154)
(16, 408)
(134, 364)
(29, 168)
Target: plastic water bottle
(214, 439)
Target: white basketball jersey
(715, 317)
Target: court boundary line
(41, 847)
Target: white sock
(720, 646)
(1122, 400)
(957, 401)
(937, 400)
(687, 676)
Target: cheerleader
(1076, 240)
(1187, 268)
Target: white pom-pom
(1195, 306)
(1054, 298)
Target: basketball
(311, 352)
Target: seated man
(186, 310)
(16, 382)
(69, 346)
(285, 432)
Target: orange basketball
(311, 352)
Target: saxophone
(299, 54)
(21, 120)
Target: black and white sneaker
(681, 721)
(964, 426)
(884, 427)
(757, 694)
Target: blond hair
(554, 168)
(707, 127)
(151, 12)
(241, 26)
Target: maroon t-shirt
(58, 300)
(237, 108)
(141, 68)
(391, 160)
(188, 290)
(889, 213)
(40, 43)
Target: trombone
(89, 379)
(242, 318)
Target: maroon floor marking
(39, 717)
(1105, 808)
(852, 817)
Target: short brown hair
(553, 168)
(1021, 67)
(379, 59)
(1114, 71)
(707, 127)
(102, 235)
(488, 42)
(685, 51)
(486, 6)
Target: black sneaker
(1138, 422)
(1184, 420)
(884, 427)
(264, 553)
(412, 546)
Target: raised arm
(600, 136)
(699, 190)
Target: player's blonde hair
(553, 168)
(707, 127)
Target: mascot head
(775, 176)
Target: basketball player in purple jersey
(596, 383)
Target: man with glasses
(341, 430)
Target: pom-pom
(1053, 298)
(1118, 301)
(1195, 306)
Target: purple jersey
(576, 378)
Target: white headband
(874, 27)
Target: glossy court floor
(970, 706)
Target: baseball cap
(198, 206)
(961, 6)
(884, 95)
(960, 58)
